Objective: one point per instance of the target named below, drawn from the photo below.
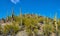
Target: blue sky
(43, 7)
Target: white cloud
(15, 1)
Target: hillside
(32, 24)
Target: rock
(22, 33)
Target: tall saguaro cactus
(55, 21)
(20, 17)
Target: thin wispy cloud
(15, 1)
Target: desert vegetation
(32, 24)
